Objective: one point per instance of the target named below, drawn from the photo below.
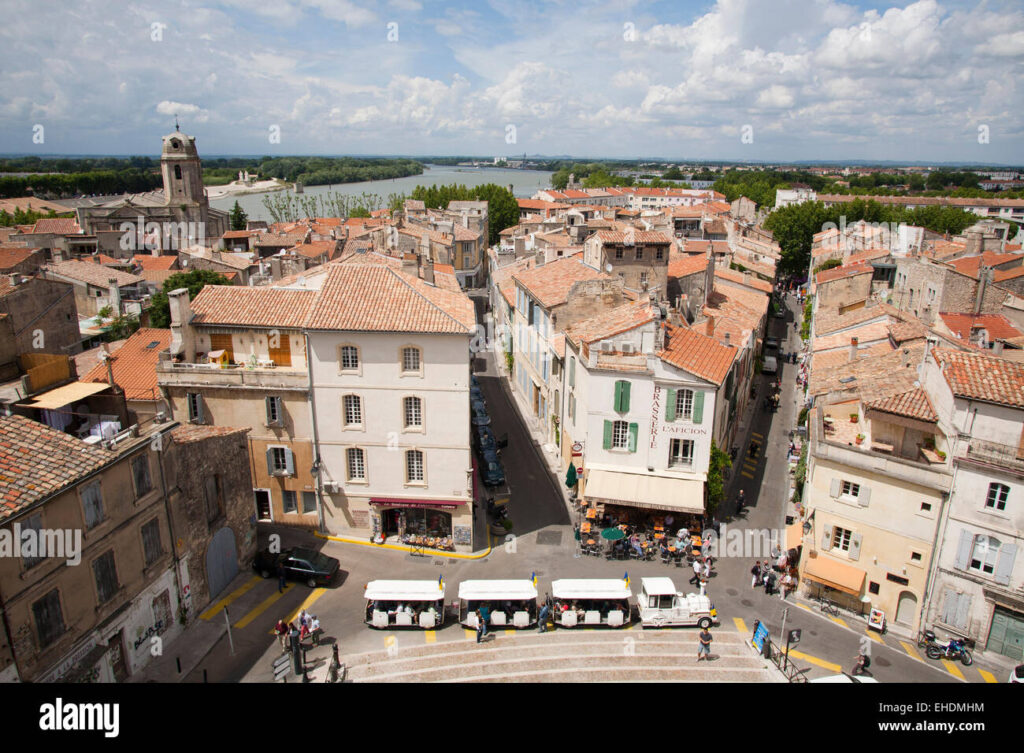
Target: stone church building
(177, 217)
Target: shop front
(444, 525)
(842, 583)
(643, 501)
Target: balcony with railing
(254, 374)
(992, 453)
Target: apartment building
(977, 587)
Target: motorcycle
(953, 650)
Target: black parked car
(306, 565)
(485, 439)
(491, 470)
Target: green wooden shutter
(622, 396)
(633, 430)
(670, 405)
(698, 406)
(607, 435)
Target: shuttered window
(106, 576)
(621, 396)
(49, 618)
(281, 350)
(223, 342)
(92, 504)
(152, 548)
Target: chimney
(984, 278)
(58, 256)
(105, 357)
(929, 344)
(854, 341)
(115, 296)
(15, 279)
(182, 335)
(275, 268)
(709, 326)
(428, 271)
(997, 347)
(727, 339)
(410, 264)
(709, 275)
(746, 278)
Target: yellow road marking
(953, 669)
(804, 606)
(430, 636)
(510, 632)
(212, 610)
(469, 633)
(262, 607)
(838, 621)
(748, 475)
(874, 635)
(750, 467)
(755, 434)
(741, 626)
(794, 654)
(987, 676)
(911, 651)
(316, 594)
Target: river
(524, 184)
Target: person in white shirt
(696, 571)
(314, 629)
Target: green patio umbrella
(570, 476)
(613, 534)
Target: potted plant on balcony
(860, 439)
(941, 454)
(853, 418)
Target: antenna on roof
(176, 128)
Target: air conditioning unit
(627, 347)
(331, 487)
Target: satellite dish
(608, 267)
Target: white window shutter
(864, 497)
(1004, 565)
(836, 486)
(826, 538)
(949, 606)
(963, 550)
(854, 552)
(963, 610)
(289, 462)
(270, 462)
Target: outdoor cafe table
(612, 534)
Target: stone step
(597, 667)
(703, 673)
(473, 653)
(526, 638)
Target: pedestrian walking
(785, 586)
(755, 573)
(542, 618)
(281, 631)
(282, 579)
(696, 571)
(480, 628)
(740, 500)
(704, 647)
(707, 568)
(303, 619)
(314, 629)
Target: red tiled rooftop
(134, 364)
(997, 325)
(978, 376)
(698, 354)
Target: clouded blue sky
(813, 79)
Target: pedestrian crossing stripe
(838, 621)
(755, 434)
(750, 467)
(316, 594)
(987, 676)
(748, 475)
(874, 635)
(215, 608)
(804, 606)
(262, 607)
(430, 636)
(794, 654)
(741, 626)
(469, 633)
(953, 669)
(911, 651)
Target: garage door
(1007, 634)
(221, 561)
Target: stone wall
(588, 298)
(47, 307)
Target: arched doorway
(221, 561)
(906, 609)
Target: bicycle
(829, 607)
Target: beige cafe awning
(837, 575)
(65, 395)
(640, 490)
(794, 535)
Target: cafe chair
(592, 617)
(380, 619)
(427, 620)
(615, 618)
(498, 619)
(521, 619)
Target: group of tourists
(289, 633)
(774, 578)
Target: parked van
(661, 605)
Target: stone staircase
(568, 656)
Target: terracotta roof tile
(550, 283)
(254, 307)
(684, 265)
(57, 226)
(134, 364)
(91, 273)
(733, 275)
(380, 299)
(36, 461)
(912, 404)
(698, 354)
(187, 434)
(977, 376)
(149, 262)
(997, 325)
(11, 256)
(838, 273)
(633, 236)
(611, 322)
